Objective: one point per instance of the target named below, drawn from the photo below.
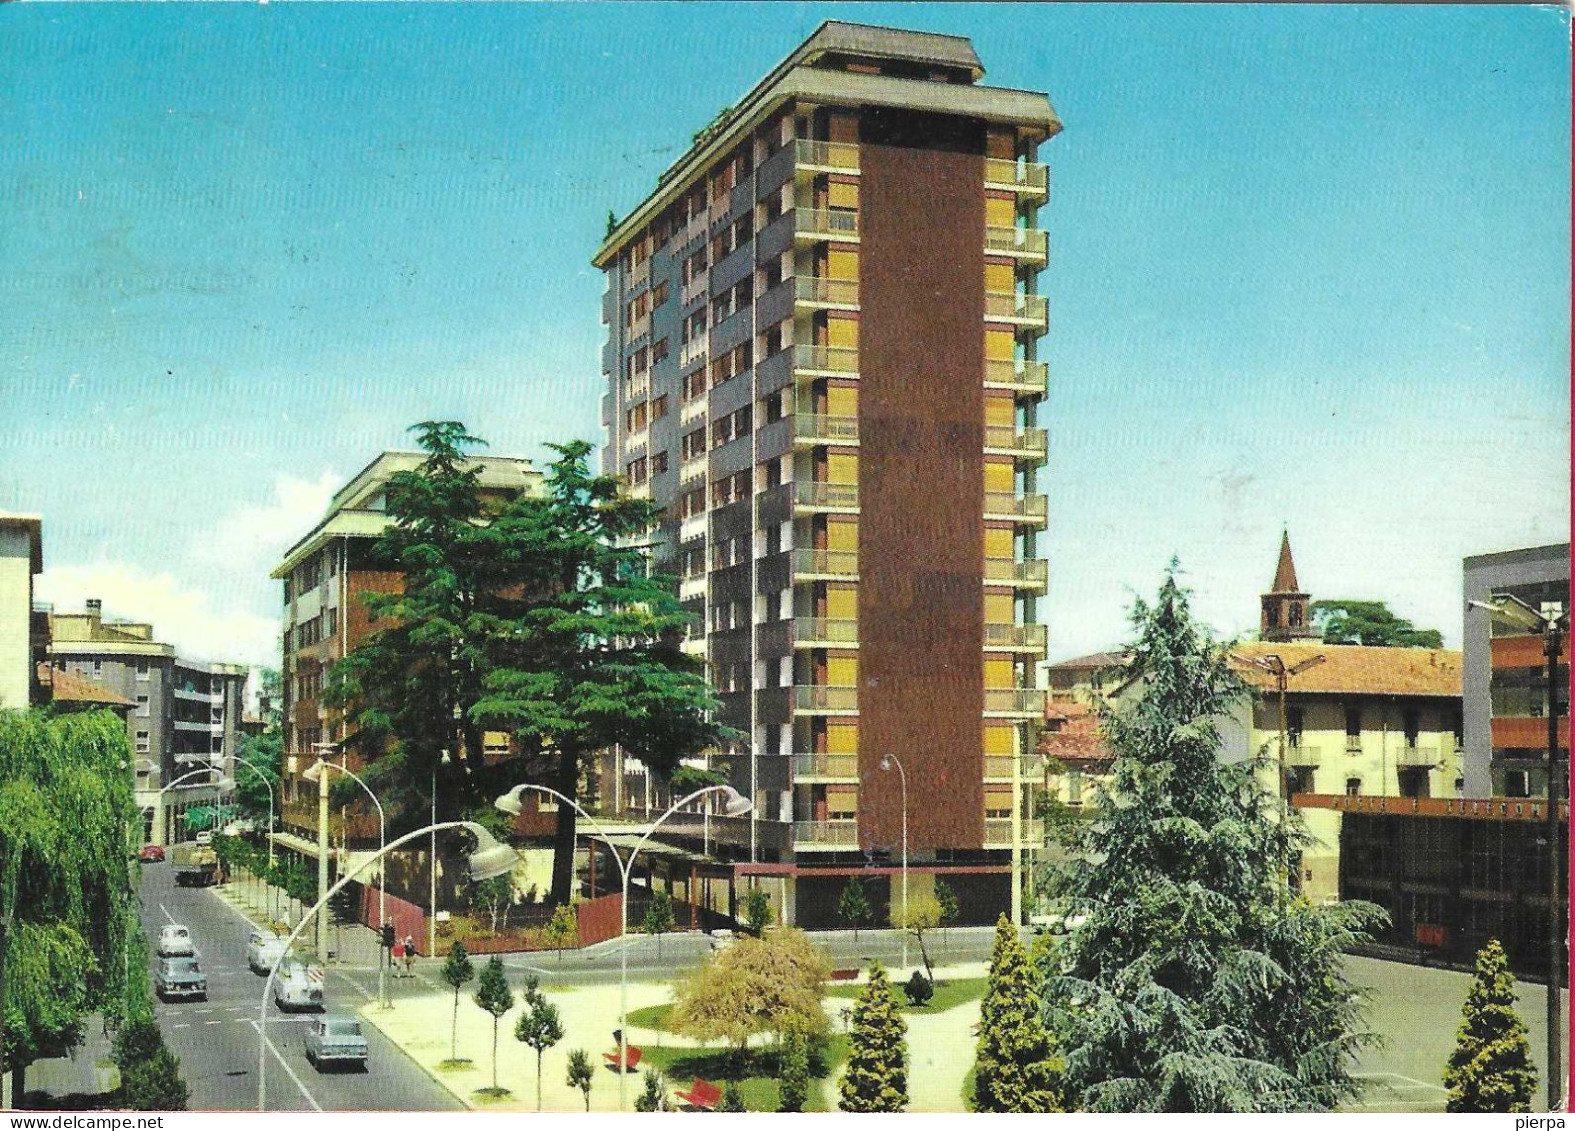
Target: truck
(200, 870)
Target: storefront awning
(307, 848)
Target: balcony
(812, 225)
(1028, 178)
(1030, 510)
(826, 156)
(1014, 637)
(696, 288)
(692, 351)
(1030, 444)
(694, 468)
(693, 410)
(821, 699)
(826, 361)
(692, 528)
(825, 767)
(1028, 244)
(998, 767)
(811, 429)
(1419, 755)
(825, 565)
(824, 632)
(815, 497)
(1033, 574)
(828, 835)
(1014, 702)
(998, 832)
(1030, 311)
(820, 293)
(1025, 378)
(1300, 753)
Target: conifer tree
(732, 1098)
(1490, 1069)
(1016, 1069)
(457, 970)
(794, 1087)
(494, 996)
(853, 906)
(877, 1073)
(1198, 980)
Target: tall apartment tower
(822, 362)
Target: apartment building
(185, 722)
(823, 362)
(21, 560)
(1506, 684)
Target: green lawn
(756, 1071)
(948, 995)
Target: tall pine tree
(877, 1074)
(1016, 1070)
(1198, 980)
(1490, 1069)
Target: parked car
(335, 1039)
(204, 839)
(180, 977)
(264, 949)
(175, 942)
(1058, 922)
(151, 854)
(722, 937)
(298, 986)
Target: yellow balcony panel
(812, 225)
(998, 832)
(1032, 574)
(820, 565)
(826, 361)
(825, 632)
(1028, 178)
(815, 497)
(1029, 244)
(998, 767)
(1029, 311)
(825, 767)
(1014, 702)
(813, 429)
(1029, 510)
(826, 835)
(826, 294)
(1015, 637)
(812, 157)
(824, 699)
(1029, 444)
(1025, 378)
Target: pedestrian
(410, 956)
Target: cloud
(200, 627)
(251, 539)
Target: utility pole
(1552, 639)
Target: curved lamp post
(488, 859)
(737, 805)
(311, 774)
(887, 763)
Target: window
(143, 710)
(659, 294)
(1413, 726)
(659, 463)
(694, 384)
(142, 669)
(692, 503)
(637, 470)
(659, 407)
(1353, 729)
(331, 617)
(1353, 787)
(143, 746)
(1517, 783)
(693, 444)
(1293, 725)
(659, 351)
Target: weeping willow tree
(70, 941)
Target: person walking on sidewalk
(410, 956)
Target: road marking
(202, 1011)
(1396, 1076)
(167, 915)
(181, 1025)
(285, 1065)
(220, 1021)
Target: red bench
(702, 1094)
(632, 1059)
(844, 975)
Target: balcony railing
(1026, 310)
(812, 428)
(825, 834)
(815, 290)
(691, 587)
(1023, 243)
(1030, 442)
(692, 527)
(820, 698)
(998, 832)
(1027, 177)
(813, 495)
(1301, 753)
(826, 156)
(1014, 701)
(1029, 574)
(692, 351)
(827, 223)
(695, 468)
(998, 767)
(1015, 637)
(826, 767)
(824, 632)
(694, 288)
(1017, 376)
(1418, 755)
(1029, 509)
(810, 565)
(838, 361)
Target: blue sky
(1309, 266)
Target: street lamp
(1550, 622)
(737, 805)
(318, 772)
(887, 763)
(487, 859)
(263, 777)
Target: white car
(298, 986)
(335, 1039)
(264, 949)
(175, 942)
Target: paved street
(216, 1039)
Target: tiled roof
(67, 687)
(1285, 572)
(1356, 669)
(1076, 742)
(1095, 660)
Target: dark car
(180, 977)
(151, 854)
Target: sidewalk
(350, 944)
